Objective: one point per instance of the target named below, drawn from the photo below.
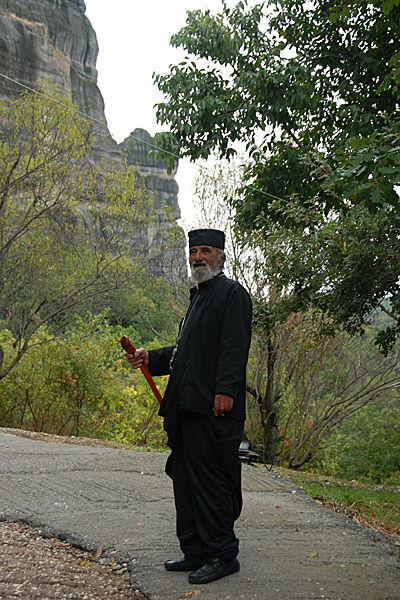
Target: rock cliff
(53, 40)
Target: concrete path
(291, 547)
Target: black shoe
(188, 563)
(214, 569)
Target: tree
(312, 90)
(302, 384)
(369, 444)
(325, 381)
(65, 226)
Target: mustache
(199, 263)
(208, 272)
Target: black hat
(208, 237)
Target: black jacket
(212, 351)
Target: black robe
(211, 357)
(211, 354)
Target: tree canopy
(312, 91)
(63, 222)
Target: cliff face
(53, 40)
(50, 39)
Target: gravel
(36, 567)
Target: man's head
(206, 253)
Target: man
(204, 411)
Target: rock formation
(53, 40)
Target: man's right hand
(140, 357)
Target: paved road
(291, 547)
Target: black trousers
(206, 472)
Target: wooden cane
(130, 349)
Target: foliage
(151, 306)
(304, 385)
(312, 90)
(305, 74)
(325, 382)
(375, 506)
(135, 420)
(62, 386)
(368, 445)
(365, 245)
(63, 222)
(79, 384)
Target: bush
(62, 386)
(80, 385)
(369, 445)
(135, 419)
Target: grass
(374, 506)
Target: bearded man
(204, 411)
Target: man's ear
(222, 260)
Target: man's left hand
(222, 404)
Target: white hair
(210, 271)
(221, 254)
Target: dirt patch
(51, 438)
(36, 567)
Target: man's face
(201, 256)
(204, 262)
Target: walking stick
(130, 349)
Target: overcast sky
(133, 37)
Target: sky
(133, 38)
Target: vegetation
(377, 507)
(368, 445)
(312, 92)
(69, 287)
(79, 384)
(311, 217)
(63, 222)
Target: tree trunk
(270, 411)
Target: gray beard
(208, 273)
